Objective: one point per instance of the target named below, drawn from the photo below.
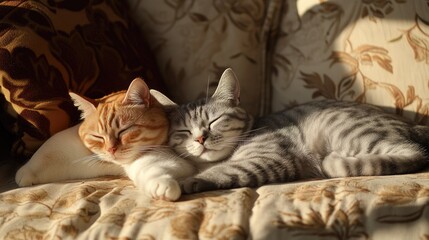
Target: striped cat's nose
(201, 139)
(202, 136)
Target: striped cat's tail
(421, 136)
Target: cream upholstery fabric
(195, 41)
(367, 51)
(392, 207)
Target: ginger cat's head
(120, 127)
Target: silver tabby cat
(318, 139)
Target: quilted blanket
(388, 207)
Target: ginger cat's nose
(112, 150)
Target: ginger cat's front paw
(25, 177)
(164, 188)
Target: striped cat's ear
(228, 87)
(84, 105)
(163, 100)
(137, 93)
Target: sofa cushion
(365, 51)
(195, 41)
(50, 47)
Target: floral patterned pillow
(50, 47)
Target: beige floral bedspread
(391, 207)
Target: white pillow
(63, 157)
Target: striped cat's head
(208, 130)
(120, 127)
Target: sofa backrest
(294, 51)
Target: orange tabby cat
(129, 128)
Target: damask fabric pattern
(195, 41)
(390, 207)
(366, 51)
(50, 47)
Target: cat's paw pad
(165, 189)
(25, 177)
(195, 185)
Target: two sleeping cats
(213, 143)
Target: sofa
(283, 53)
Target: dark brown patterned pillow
(50, 47)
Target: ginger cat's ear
(85, 106)
(137, 93)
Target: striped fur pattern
(319, 139)
(129, 128)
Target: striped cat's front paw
(164, 189)
(195, 185)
